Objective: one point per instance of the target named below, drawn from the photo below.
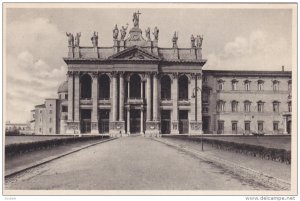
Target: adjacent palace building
(136, 87)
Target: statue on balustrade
(147, 31)
(199, 41)
(155, 33)
(77, 39)
(95, 39)
(192, 41)
(70, 39)
(115, 32)
(123, 32)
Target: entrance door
(85, 122)
(135, 121)
(183, 122)
(103, 121)
(165, 121)
(205, 125)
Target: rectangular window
(275, 107)
(247, 126)
(247, 86)
(260, 107)
(220, 106)
(220, 127)
(205, 109)
(275, 126)
(247, 106)
(260, 86)
(260, 126)
(275, 86)
(234, 127)
(234, 84)
(66, 96)
(64, 109)
(220, 86)
(234, 106)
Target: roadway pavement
(130, 163)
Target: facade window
(234, 106)
(260, 106)
(66, 96)
(275, 126)
(64, 109)
(205, 79)
(183, 83)
(205, 96)
(220, 106)
(234, 85)
(247, 106)
(205, 110)
(247, 126)
(234, 127)
(165, 87)
(220, 127)
(290, 106)
(50, 111)
(260, 85)
(275, 85)
(247, 85)
(220, 85)
(260, 125)
(275, 106)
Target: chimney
(282, 67)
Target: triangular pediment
(134, 53)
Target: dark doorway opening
(289, 125)
(165, 87)
(85, 121)
(135, 86)
(206, 123)
(86, 86)
(104, 87)
(103, 121)
(135, 121)
(183, 122)
(165, 121)
(183, 83)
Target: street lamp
(194, 95)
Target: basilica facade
(136, 87)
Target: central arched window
(165, 87)
(86, 86)
(104, 87)
(135, 86)
(183, 83)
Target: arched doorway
(135, 86)
(165, 87)
(86, 86)
(183, 83)
(104, 87)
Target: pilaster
(94, 122)
(174, 91)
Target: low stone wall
(20, 148)
(280, 155)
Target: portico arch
(183, 85)
(85, 86)
(165, 83)
(104, 87)
(135, 86)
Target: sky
(36, 42)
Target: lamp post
(195, 90)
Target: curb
(49, 159)
(267, 180)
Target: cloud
(258, 51)
(34, 68)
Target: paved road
(131, 163)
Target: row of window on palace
(247, 126)
(247, 106)
(247, 85)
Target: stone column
(114, 98)
(74, 126)
(155, 100)
(70, 96)
(142, 120)
(121, 113)
(128, 89)
(199, 104)
(284, 125)
(142, 91)
(148, 91)
(94, 123)
(174, 92)
(192, 112)
(128, 120)
(76, 97)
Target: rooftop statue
(136, 19)
(192, 41)
(199, 41)
(147, 31)
(77, 39)
(123, 32)
(155, 33)
(95, 39)
(174, 39)
(70, 39)
(115, 32)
